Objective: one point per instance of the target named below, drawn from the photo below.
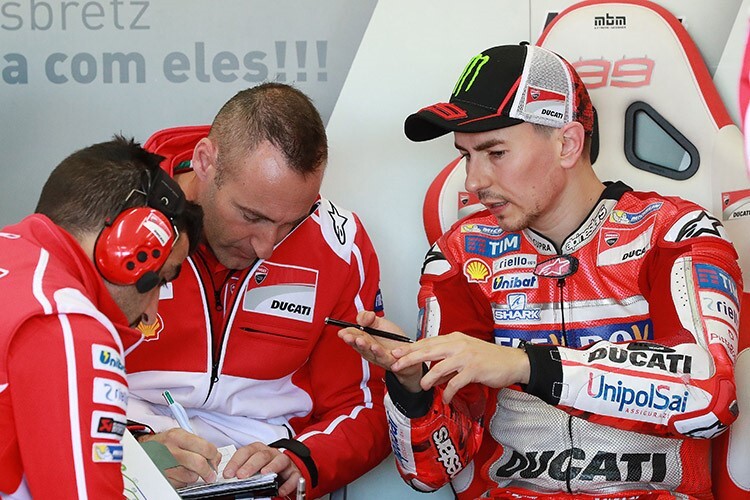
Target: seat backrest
(664, 128)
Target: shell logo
(152, 330)
(476, 271)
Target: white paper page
(141, 477)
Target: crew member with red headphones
(75, 277)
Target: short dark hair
(98, 182)
(278, 113)
(546, 131)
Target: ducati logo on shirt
(286, 292)
(591, 465)
(152, 330)
(3, 272)
(611, 237)
(261, 274)
(625, 243)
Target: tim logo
(608, 21)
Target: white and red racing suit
(631, 331)
(63, 391)
(247, 352)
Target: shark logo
(338, 223)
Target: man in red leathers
(240, 340)
(578, 337)
(69, 314)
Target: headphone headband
(164, 194)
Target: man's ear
(204, 159)
(573, 137)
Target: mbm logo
(470, 73)
(609, 21)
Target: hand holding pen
(383, 353)
(179, 413)
(372, 331)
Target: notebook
(259, 485)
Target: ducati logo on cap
(545, 104)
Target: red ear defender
(131, 249)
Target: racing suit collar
(589, 227)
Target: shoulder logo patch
(338, 223)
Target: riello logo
(656, 397)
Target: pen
(179, 413)
(367, 329)
(301, 490)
